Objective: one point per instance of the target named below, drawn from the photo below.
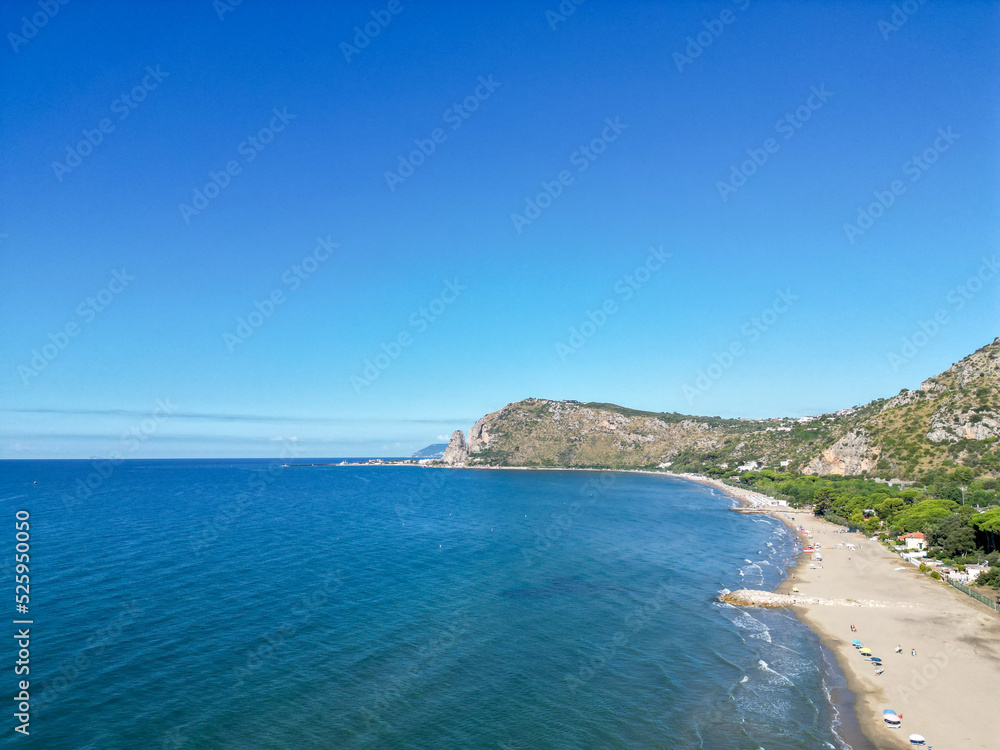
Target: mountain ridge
(952, 419)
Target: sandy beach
(947, 692)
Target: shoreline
(944, 693)
(842, 692)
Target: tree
(925, 513)
(953, 535)
(890, 507)
(963, 475)
(990, 578)
(822, 501)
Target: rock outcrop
(457, 451)
(850, 455)
(949, 427)
(771, 600)
(479, 435)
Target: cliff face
(954, 416)
(852, 454)
(457, 451)
(540, 432)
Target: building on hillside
(916, 541)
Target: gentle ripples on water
(220, 604)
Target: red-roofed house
(916, 540)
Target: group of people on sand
(899, 650)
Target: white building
(914, 541)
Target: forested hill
(953, 419)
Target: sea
(245, 604)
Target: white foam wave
(765, 668)
(753, 626)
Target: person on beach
(899, 649)
(913, 652)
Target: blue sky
(125, 272)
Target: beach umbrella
(876, 659)
(866, 651)
(916, 739)
(856, 642)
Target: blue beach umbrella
(857, 644)
(876, 659)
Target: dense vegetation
(939, 445)
(957, 511)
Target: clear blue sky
(206, 86)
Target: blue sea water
(242, 604)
